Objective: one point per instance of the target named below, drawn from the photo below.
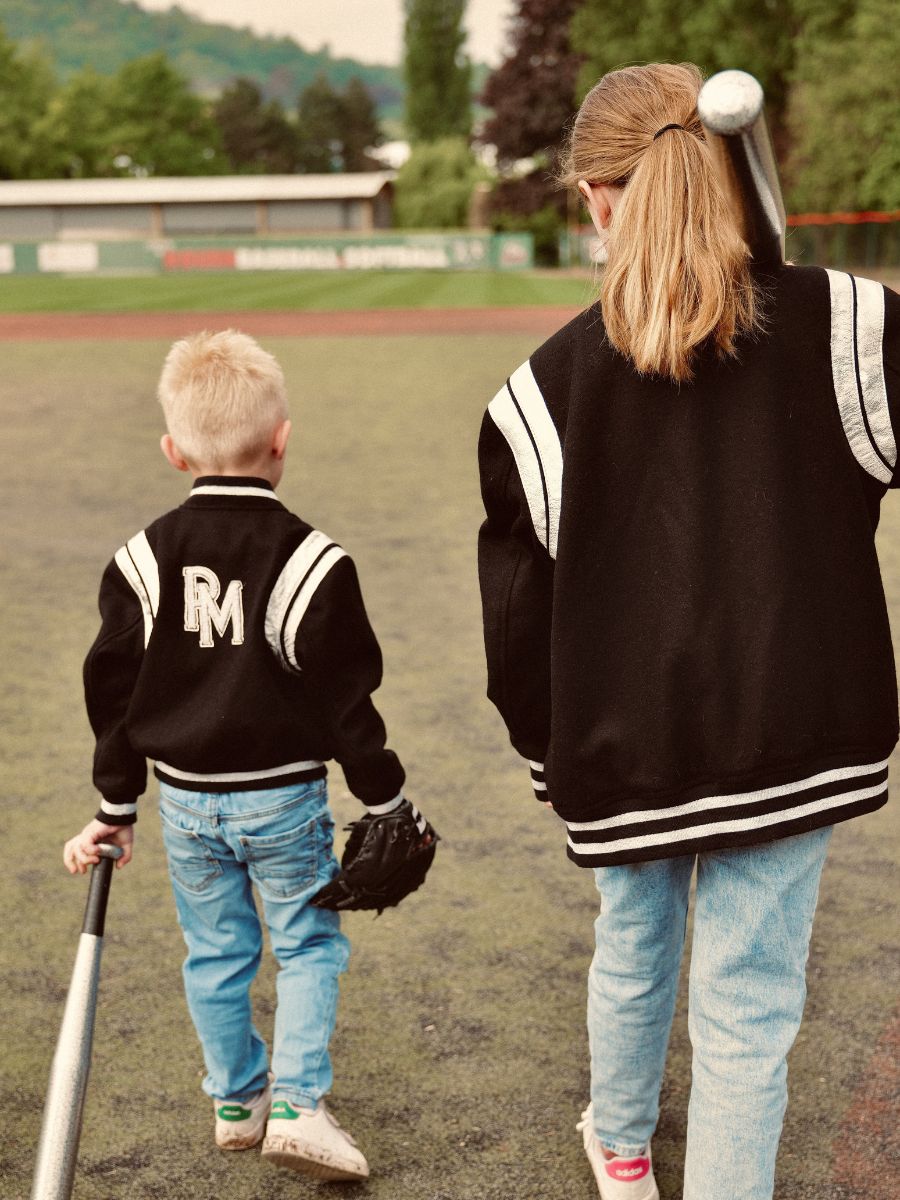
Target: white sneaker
(310, 1140)
(241, 1124)
(617, 1178)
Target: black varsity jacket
(236, 653)
(685, 626)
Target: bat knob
(105, 850)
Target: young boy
(235, 652)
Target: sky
(368, 30)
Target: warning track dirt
(388, 322)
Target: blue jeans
(218, 844)
(752, 922)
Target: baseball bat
(731, 106)
(61, 1127)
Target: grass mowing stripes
(460, 1054)
(311, 290)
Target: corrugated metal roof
(193, 189)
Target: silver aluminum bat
(732, 110)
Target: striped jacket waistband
(737, 818)
(238, 781)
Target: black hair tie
(665, 127)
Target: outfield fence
(427, 251)
(839, 239)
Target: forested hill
(104, 34)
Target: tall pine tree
(319, 120)
(336, 128)
(438, 73)
(359, 126)
(256, 133)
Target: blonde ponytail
(678, 272)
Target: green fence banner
(389, 252)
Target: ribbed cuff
(111, 813)
(537, 780)
(381, 810)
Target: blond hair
(223, 396)
(678, 272)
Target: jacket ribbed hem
(737, 819)
(241, 781)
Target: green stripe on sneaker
(233, 1112)
(282, 1111)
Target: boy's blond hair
(223, 396)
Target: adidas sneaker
(618, 1178)
(241, 1124)
(310, 1140)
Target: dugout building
(248, 205)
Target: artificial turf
(460, 1054)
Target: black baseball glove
(386, 858)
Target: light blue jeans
(752, 922)
(218, 844)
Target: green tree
(335, 128)
(256, 134)
(756, 35)
(845, 113)
(532, 93)
(27, 86)
(532, 98)
(159, 126)
(106, 34)
(359, 126)
(434, 186)
(76, 126)
(438, 73)
(319, 123)
(828, 68)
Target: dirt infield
(539, 320)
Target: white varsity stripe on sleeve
(138, 564)
(857, 366)
(870, 356)
(519, 412)
(294, 590)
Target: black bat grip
(98, 893)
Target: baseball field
(460, 1055)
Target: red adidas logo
(635, 1168)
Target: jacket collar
(240, 486)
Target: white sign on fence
(68, 256)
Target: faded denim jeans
(280, 839)
(752, 922)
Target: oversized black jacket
(685, 626)
(235, 651)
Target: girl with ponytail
(677, 274)
(685, 626)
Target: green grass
(460, 1053)
(322, 290)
